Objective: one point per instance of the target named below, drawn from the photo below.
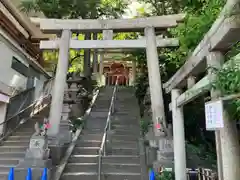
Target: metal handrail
(33, 104)
(34, 107)
(102, 150)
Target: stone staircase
(83, 162)
(122, 161)
(13, 149)
(123, 153)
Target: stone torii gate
(150, 42)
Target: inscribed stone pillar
(59, 84)
(95, 56)
(155, 83)
(178, 138)
(227, 143)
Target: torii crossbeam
(109, 44)
(117, 25)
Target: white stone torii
(150, 43)
(66, 27)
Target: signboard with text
(214, 115)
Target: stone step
(106, 176)
(126, 132)
(125, 118)
(16, 143)
(93, 168)
(19, 155)
(83, 159)
(95, 131)
(81, 167)
(24, 133)
(91, 137)
(99, 114)
(107, 159)
(82, 143)
(19, 138)
(86, 150)
(125, 127)
(124, 123)
(121, 144)
(92, 133)
(123, 151)
(8, 160)
(26, 129)
(124, 137)
(6, 168)
(79, 176)
(95, 126)
(13, 148)
(122, 176)
(3, 175)
(120, 168)
(121, 159)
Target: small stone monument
(37, 155)
(160, 150)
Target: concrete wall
(9, 76)
(11, 79)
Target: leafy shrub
(228, 82)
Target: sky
(132, 9)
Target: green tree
(72, 9)
(75, 9)
(200, 14)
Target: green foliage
(228, 82)
(75, 57)
(141, 86)
(145, 124)
(74, 9)
(198, 21)
(76, 123)
(200, 16)
(165, 175)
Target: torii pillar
(95, 56)
(154, 77)
(59, 87)
(107, 35)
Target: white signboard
(214, 115)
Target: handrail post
(99, 164)
(105, 146)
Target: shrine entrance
(117, 71)
(149, 27)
